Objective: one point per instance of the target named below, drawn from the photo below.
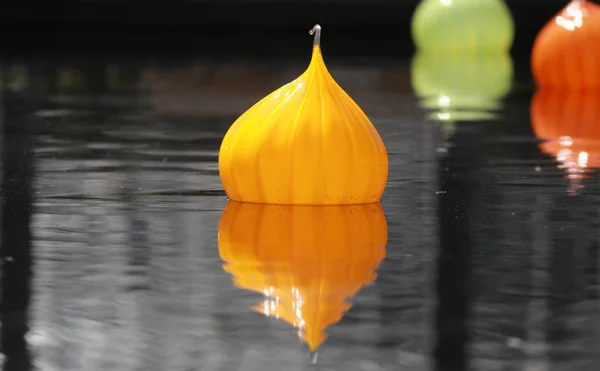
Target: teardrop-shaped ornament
(306, 143)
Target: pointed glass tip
(316, 31)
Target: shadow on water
(456, 174)
(16, 244)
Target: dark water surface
(112, 200)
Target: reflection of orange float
(566, 52)
(570, 124)
(306, 260)
(306, 143)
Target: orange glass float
(306, 260)
(306, 143)
(566, 52)
(569, 122)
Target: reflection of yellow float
(461, 87)
(306, 143)
(306, 260)
(568, 122)
(464, 26)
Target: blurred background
(354, 28)
(112, 114)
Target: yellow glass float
(306, 143)
(306, 260)
(466, 26)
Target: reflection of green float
(468, 26)
(461, 82)
(461, 87)
(14, 78)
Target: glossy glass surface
(113, 203)
(463, 26)
(566, 52)
(306, 143)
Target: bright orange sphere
(566, 52)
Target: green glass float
(465, 26)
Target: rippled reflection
(306, 260)
(461, 88)
(569, 124)
(489, 265)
